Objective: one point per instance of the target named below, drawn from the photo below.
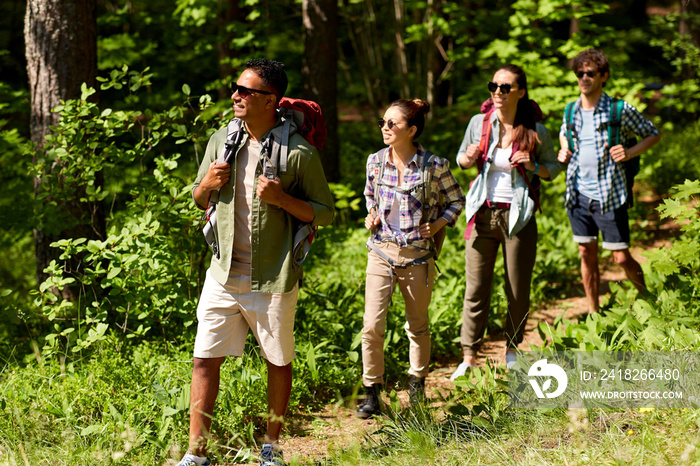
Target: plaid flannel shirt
(410, 206)
(612, 184)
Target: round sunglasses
(389, 123)
(505, 87)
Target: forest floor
(314, 436)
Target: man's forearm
(201, 197)
(643, 146)
(302, 210)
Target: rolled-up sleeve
(472, 135)
(316, 191)
(370, 168)
(545, 153)
(637, 123)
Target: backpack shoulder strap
(427, 170)
(234, 136)
(484, 140)
(380, 174)
(276, 145)
(615, 122)
(570, 127)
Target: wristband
(537, 167)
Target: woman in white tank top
(512, 151)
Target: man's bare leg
(631, 267)
(279, 389)
(590, 273)
(203, 393)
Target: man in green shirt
(252, 282)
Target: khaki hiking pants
(489, 234)
(416, 285)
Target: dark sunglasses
(383, 122)
(245, 92)
(590, 74)
(505, 88)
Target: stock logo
(552, 371)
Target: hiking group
(262, 182)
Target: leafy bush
(664, 319)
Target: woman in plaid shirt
(411, 195)
(512, 151)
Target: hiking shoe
(188, 460)
(370, 406)
(416, 389)
(271, 455)
(461, 370)
(511, 359)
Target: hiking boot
(271, 455)
(416, 389)
(370, 406)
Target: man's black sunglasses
(505, 88)
(245, 92)
(590, 74)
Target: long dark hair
(527, 114)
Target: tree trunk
(404, 87)
(320, 73)
(690, 7)
(61, 50)
(430, 58)
(229, 12)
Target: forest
(106, 107)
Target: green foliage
(144, 275)
(683, 54)
(141, 281)
(666, 318)
(671, 162)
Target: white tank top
(498, 182)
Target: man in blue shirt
(597, 192)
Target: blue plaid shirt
(612, 183)
(410, 194)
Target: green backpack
(614, 125)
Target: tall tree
(229, 12)
(320, 72)
(61, 50)
(399, 29)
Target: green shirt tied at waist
(272, 228)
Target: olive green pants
(489, 234)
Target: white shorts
(226, 312)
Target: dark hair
(526, 117)
(414, 111)
(594, 58)
(271, 73)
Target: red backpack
(313, 125)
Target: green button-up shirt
(272, 228)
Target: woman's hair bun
(422, 106)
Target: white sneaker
(461, 370)
(511, 359)
(190, 460)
